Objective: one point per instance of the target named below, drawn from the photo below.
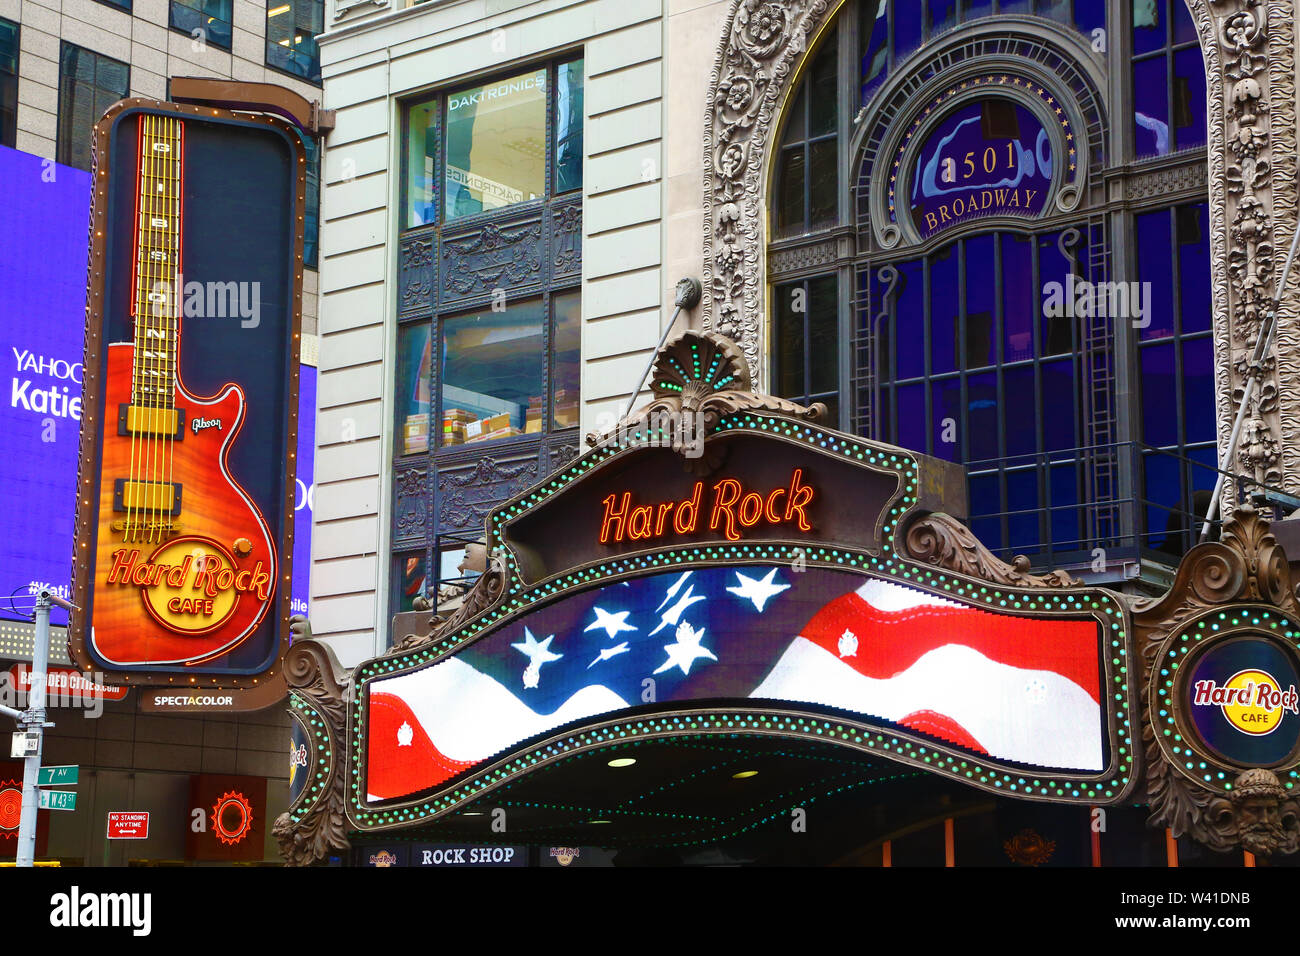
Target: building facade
(61, 65)
(1034, 239)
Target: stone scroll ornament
(1252, 158)
(315, 826)
(1238, 587)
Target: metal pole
(34, 722)
(1261, 350)
(688, 296)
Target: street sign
(23, 744)
(61, 776)
(128, 824)
(58, 799)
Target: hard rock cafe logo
(297, 758)
(383, 858)
(564, 855)
(1251, 701)
(190, 584)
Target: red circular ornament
(232, 817)
(11, 808)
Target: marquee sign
(187, 490)
(730, 618)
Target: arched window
(1016, 271)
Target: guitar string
(174, 270)
(137, 357)
(151, 354)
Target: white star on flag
(538, 653)
(607, 652)
(674, 613)
(612, 624)
(758, 591)
(686, 650)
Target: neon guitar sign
(185, 563)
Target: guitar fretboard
(157, 262)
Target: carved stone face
(475, 558)
(1259, 825)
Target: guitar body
(185, 564)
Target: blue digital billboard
(43, 249)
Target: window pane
(1189, 98)
(982, 421)
(824, 334)
(1059, 294)
(1159, 396)
(907, 28)
(1149, 25)
(911, 417)
(1019, 297)
(1021, 428)
(1089, 15)
(791, 308)
(568, 127)
(824, 187)
(1184, 28)
(1198, 390)
(492, 365)
(1150, 108)
(411, 577)
(943, 15)
(875, 46)
(421, 153)
(291, 30)
(825, 89)
(947, 424)
(790, 187)
(944, 306)
(496, 145)
(1193, 268)
(412, 401)
(567, 363)
(910, 322)
(1059, 410)
(1155, 268)
(209, 22)
(81, 101)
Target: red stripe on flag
(394, 770)
(944, 727)
(889, 642)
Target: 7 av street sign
(65, 776)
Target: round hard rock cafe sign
(1242, 701)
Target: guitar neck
(157, 262)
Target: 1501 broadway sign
(791, 572)
(185, 509)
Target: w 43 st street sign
(58, 799)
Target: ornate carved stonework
(1246, 568)
(314, 674)
(410, 503)
(945, 542)
(761, 42)
(465, 496)
(1165, 182)
(494, 257)
(1250, 72)
(416, 275)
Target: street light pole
(33, 721)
